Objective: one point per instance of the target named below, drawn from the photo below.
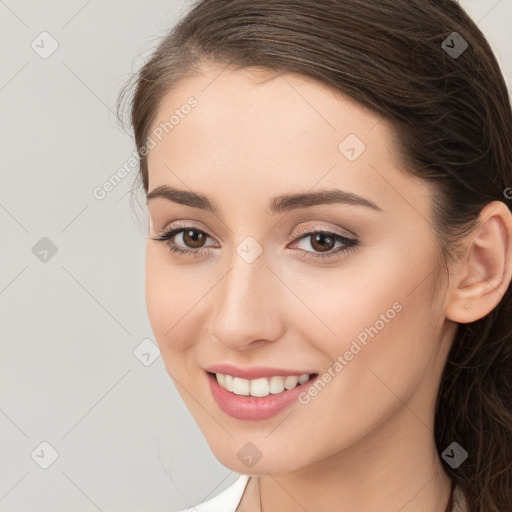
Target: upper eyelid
(317, 229)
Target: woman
(329, 252)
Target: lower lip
(253, 408)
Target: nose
(249, 304)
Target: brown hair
(452, 118)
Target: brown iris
(193, 238)
(320, 239)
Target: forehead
(256, 130)
(271, 99)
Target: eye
(325, 242)
(190, 236)
(189, 241)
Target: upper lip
(253, 372)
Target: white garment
(226, 501)
(229, 499)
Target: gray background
(72, 320)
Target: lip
(253, 408)
(254, 372)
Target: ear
(481, 277)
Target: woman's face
(255, 291)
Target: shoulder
(226, 501)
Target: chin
(276, 462)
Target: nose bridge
(246, 299)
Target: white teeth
(260, 387)
(276, 385)
(240, 386)
(221, 379)
(291, 381)
(228, 382)
(303, 378)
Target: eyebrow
(278, 204)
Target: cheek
(384, 344)
(165, 296)
(343, 302)
(173, 295)
(155, 287)
(376, 312)
(386, 333)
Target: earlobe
(483, 275)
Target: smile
(261, 387)
(259, 398)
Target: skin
(365, 442)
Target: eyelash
(165, 237)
